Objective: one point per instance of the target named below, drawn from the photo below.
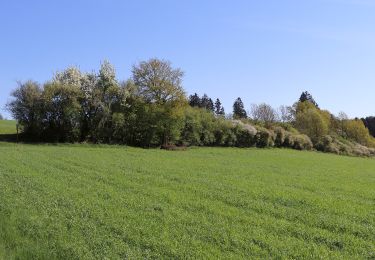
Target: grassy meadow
(97, 202)
(7, 127)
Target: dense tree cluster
(370, 124)
(207, 103)
(307, 97)
(152, 109)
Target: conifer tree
(306, 96)
(194, 100)
(239, 109)
(219, 109)
(207, 103)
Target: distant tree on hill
(159, 85)
(207, 103)
(369, 122)
(1, 117)
(286, 114)
(356, 130)
(306, 96)
(26, 107)
(202, 102)
(219, 109)
(239, 109)
(263, 113)
(194, 100)
(342, 118)
(312, 121)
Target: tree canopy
(151, 109)
(239, 111)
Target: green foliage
(280, 135)
(195, 100)
(61, 112)
(311, 121)
(159, 85)
(151, 110)
(157, 82)
(264, 137)
(297, 141)
(356, 130)
(239, 111)
(301, 142)
(110, 202)
(206, 103)
(264, 113)
(26, 107)
(219, 109)
(307, 97)
(225, 133)
(245, 135)
(370, 124)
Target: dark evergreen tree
(207, 103)
(219, 109)
(239, 109)
(222, 111)
(369, 122)
(306, 96)
(195, 100)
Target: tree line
(152, 109)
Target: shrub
(289, 140)
(280, 135)
(360, 150)
(264, 137)
(356, 131)
(245, 134)
(302, 142)
(244, 137)
(225, 133)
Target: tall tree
(286, 114)
(369, 122)
(263, 113)
(312, 121)
(207, 103)
(194, 100)
(158, 82)
(306, 96)
(160, 86)
(61, 112)
(239, 109)
(219, 109)
(108, 98)
(26, 107)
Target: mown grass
(87, 202)
(8, 127)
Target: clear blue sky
(263, 51)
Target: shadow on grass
(13, 138)
(8, 138)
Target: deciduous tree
(160, 86)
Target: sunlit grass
(87, 202)
(8, 127)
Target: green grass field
(7, 127)
(87, 202)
